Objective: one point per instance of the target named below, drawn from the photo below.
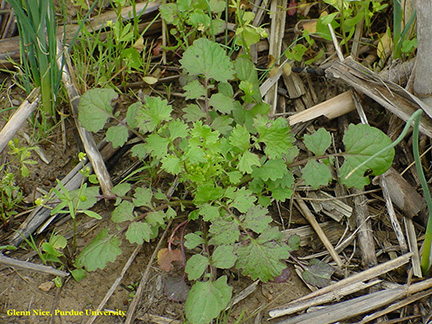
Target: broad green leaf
(217, 6)
(121, 189)
(117, 135)
(262, 257)
(224, 231)
(223, 257)
(247, 161)
(222, 103)
(103, 249)
(256, 219)
(143, 197)
(206, 300)
(90, 194)
(207, 58)
(361, 142)
(123, 212)
(226, 89)
(194, 90)
(206, 193)
(177, 128)
(139, 150)
(243, 200)
(222, 124)
(318, 142)
(240, 138)
(138, 232)
(209, 212)
(316, 174)
(95, 108)
(196, 266)
(154, 112)
(204, 132)
(193, 113)
(172, 164)
(282, 189)
(235, 177)
(156, 145)
(192, 240)
(156, 218)
(131, 113)
(272, 169)
(276, 136)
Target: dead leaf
(46, 286)
(385, 46)
(166, 257)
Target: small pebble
(16, 102)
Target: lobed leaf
(103, 249)
(95, 108)
(207, 58)
(206, 300)
(318, 142)
(361, 142)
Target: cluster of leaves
(11, 195)
(232, 160)
(193, 18)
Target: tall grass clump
(38, 46)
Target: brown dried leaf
(165, 258)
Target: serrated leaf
(192, 240)
(143, 197)
(243, 200)
(272, 169)
(138, 232)
(123, 212)
(206, 193)
(139, 150)
(275, 135)
(172, 164)
(256, 219)
(224, 231)
(222, 124)
(234, 177)
(95, 108)
(156, 145)
(103, 249)
(223, 257)
(222, 103)
(177, 128)
(194, 90)
(318, 142)
(261, 258)
(121, 189)
(240, 138)
(196, 266)
(247, 161)
(361, 142)
(154, 112)
(117, 135)
(318, 273)
(206, 300)
(156, 218)
(193, 113)
(207, 58)
(209, 212)
(316, 174)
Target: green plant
(402, 42)
(38, 47)
(232, 161)
(101, 59)
(11, 195)
(348, 14)
(192, 19)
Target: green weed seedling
(232, 160)
(192, 19)
(11, 195)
